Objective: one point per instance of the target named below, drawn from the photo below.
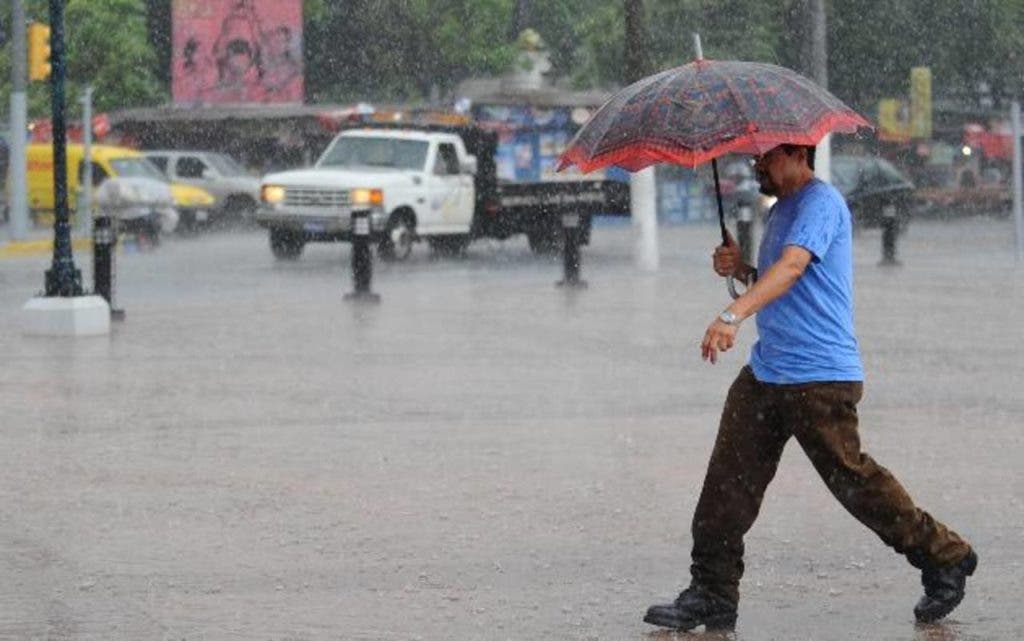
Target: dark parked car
(873, 188)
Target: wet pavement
(482, 455)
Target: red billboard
(236, 51)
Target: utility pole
(18, 198)
(63, 279)
(817, 23)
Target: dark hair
(791, 149)
(238, 46)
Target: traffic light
(38, 51)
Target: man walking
(804, 380)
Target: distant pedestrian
(804, 380)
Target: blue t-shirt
(806, 335)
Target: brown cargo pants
(758, 420)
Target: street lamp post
(62, 279)
(63, 309)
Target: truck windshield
(225, 165)
(137, 168)
(376, 152)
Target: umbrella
(705, 109)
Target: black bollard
(362, 260)
(571, 252)
(104, 244)
(890, 231)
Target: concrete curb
(25, 248)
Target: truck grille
(313, 197)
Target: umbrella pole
(730, 282)
(718, 197)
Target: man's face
(239, 58)
(239, 63)
(770, 168)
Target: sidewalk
(38, 242)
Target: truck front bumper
(335, 227)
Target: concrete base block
(66, 316)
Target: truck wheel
(545, 241)
(396, 245)
(285, 245)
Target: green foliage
(873, 47)
(732, 29)
(738, 29)
(407, 50)
(601, 61)
(402, 49)
(106, 46)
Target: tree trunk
(638, 59)
(520, 18)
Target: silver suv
(237, 192)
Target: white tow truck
(432, 183)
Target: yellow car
(192, 203)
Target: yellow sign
(893, 120)
(920, 102)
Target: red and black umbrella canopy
(694, 113)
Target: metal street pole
(1018, 179)
(85, 202)
(18, 197)
(818, 24)
(62, 279)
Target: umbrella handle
(730, 284)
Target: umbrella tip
(697, 50)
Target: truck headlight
(272, 194)
(370, 197)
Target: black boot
(694, 607)
(944, 588)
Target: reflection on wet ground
(921, 632)
(937, 632)
(672, 635)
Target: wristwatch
(729, 318)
